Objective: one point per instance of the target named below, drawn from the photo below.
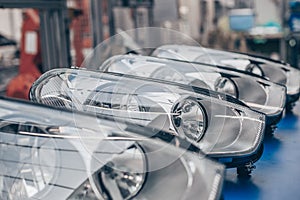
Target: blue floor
(277, 173)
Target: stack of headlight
(224, 128)
(275, 71)
(57, 154)
(253, 91)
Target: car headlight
(190, 119)
(227, 86)
(275, 71)
(49, 153)
(219, 124)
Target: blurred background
(37, 35)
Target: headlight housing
(272, 70)
(226, 128)
(79, 159)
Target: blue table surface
(277, 173)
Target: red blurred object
(19, 86)
(30, 58)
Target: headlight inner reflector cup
(124, 176)
(227, 86)
(190, 119)
(255, 69)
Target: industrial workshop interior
(149, 99)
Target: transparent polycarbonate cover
(48, 153)
(253, 91)
(227, 128)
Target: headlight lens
(227, 86)
(190, 119)
(124, 175)
(255, 69)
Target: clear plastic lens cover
(253, 91)
(54, 154)
(274, 71)
(222, 128)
